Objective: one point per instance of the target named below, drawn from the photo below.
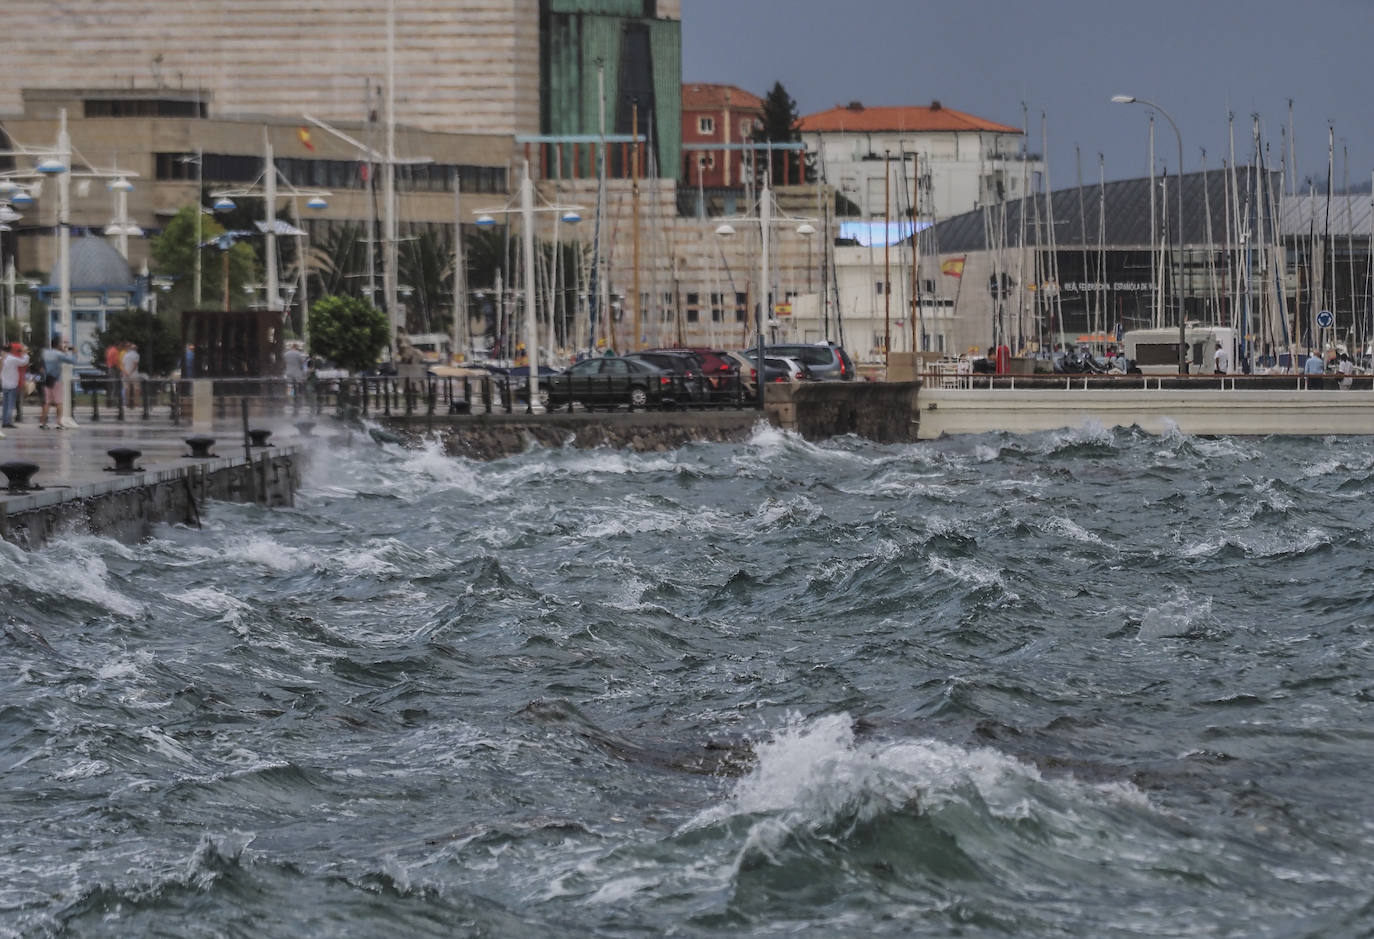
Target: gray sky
(1198, 59)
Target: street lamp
(1178, 284)
(57, 161)
(485, 218)
(766, 219)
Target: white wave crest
(814, 773)
(1180, 616)
(972, 573)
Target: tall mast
(634, 224)
(460, 279)
(887, 258)
(1083, 237)
(371, 240)
(270, 198)
(1156, 266)
(389, 182)
(1101, 240)
(1055, 302)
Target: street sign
(1325, 319)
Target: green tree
(779, 125)
(174, 256)
(158, 346)
(347, 331)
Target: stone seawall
(491, 436)
(126, 507)
(885, 412)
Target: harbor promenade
(79, 485)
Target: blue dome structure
(102, 284)
(96, 265)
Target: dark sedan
(608, 382)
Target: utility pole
(634, 214)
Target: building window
(878, 287)
(717, 308)
(741, 306)
(706, 125)
(746, 129)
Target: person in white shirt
(1346, 368)
(128, 365)
(1221, 360)
(11, 378)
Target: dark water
(1078, 684)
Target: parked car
(718, 368)
(825, 361)
(775, 369)
(608, 382)
(690, 384)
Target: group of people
(121, 367)
(46, 372)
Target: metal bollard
(200, 447)
(19, 473)
(124, 458)
(144, 384)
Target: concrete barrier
(882, 411)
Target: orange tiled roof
(702, 97)
(855, 118)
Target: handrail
(1329, 381)
(103, 398)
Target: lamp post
(527, 210)
(766, 220)
(224, 202)
(198, 158)
(1178, 284)
(56, 161)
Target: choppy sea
(1083, 683)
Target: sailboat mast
(1083, 238)
(887, 258)
(460, 290)
(389, 183)
(633, 345)
(1101, 240)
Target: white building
(959, 162)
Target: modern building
(630, 52)
(463, 68)
(998, 275)
(167, 153)
(717, 115)
(885, 160)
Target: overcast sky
(1198, 59)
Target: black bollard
(19, 475)
(124, 458)
(259, 437)
(200, 447)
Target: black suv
(825, 361)
(688, 370)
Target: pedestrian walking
(55, 356)
(11, 380)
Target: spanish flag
(954, 267)
(304, 134)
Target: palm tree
(339, 262)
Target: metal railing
(1330, 381)
(99, 399)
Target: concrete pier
(80, 492)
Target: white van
(1155, 351)
(434, 348)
